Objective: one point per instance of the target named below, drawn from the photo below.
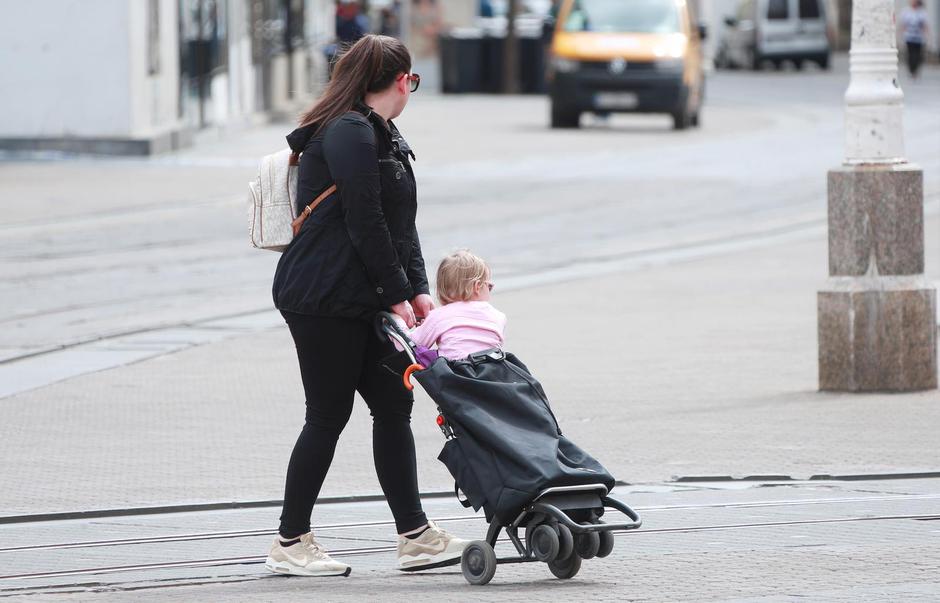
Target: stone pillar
(877, 313)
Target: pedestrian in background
(390, 20)
(914, 27)
(358, 253)
(351, 24)
(427, 22)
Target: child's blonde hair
(457, 275)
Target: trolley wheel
(478, 562)
(565, 542)
(606, 544)
(530, 531)
(545, 544)
(587, 544)
(565, 568)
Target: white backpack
(273, 221)
(272, 195)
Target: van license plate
(616, 100)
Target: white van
(775, 31)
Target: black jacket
(358, 252)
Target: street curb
(198, 507)
(195, 507)
(872, 477)
(332, 500)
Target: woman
(356, 254)
(914, 25)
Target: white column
(874, 101)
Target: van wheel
(721, 59)
(565, 119)
(755, 61)
(681, 119)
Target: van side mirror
(702, 31)
(731, 21)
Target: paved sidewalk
(817, 541)
(692, 369)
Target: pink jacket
(461, 328)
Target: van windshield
(640, 16)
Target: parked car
(775, 31)
(640, 56)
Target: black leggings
(339, 357)
(915, 56)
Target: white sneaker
(304, 558)
(433, 547)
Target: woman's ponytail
(374, 60)
(369, 65)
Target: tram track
(200, 536)
(350, 552)
(372, 550)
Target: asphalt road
(93, 249)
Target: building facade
(140, 76)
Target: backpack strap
(299, 220)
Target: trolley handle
(385, 326)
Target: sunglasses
(414, 79)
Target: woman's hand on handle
(404, 311)
(422, 304)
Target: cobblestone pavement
(818, 541)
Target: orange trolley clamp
(407, 376)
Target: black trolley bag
(508, 456)
(508, 446)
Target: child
(465, 322)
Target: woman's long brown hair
(370, 65)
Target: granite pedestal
(877, 313)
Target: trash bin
(461, 61)
(532, 65)
(472, 60)
(493, 51)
